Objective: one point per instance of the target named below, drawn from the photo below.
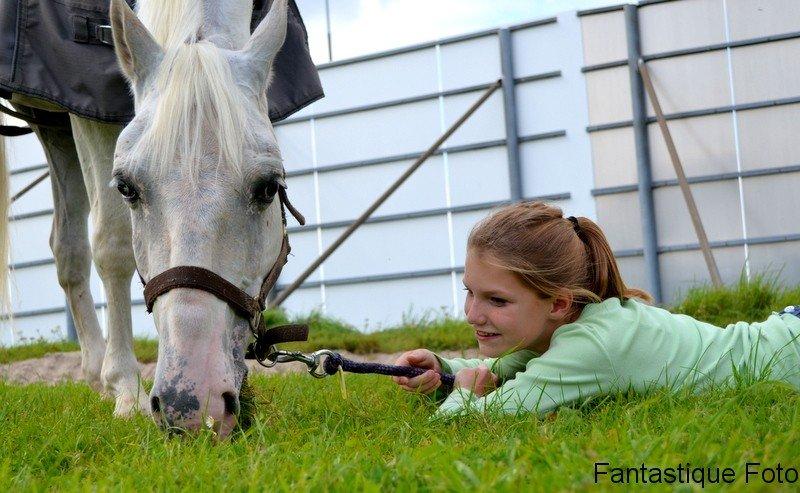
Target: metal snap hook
(318, 369)
(270, 359)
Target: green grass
(746, 301)
(35, 349)
(436, 334)
(146, 350)
(306, 437)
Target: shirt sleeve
(452, 365)
(505, 367)
(575, 367)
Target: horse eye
(127, 190)
(264, 191)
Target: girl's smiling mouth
(482, 335)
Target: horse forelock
(198, 108)
(171, 22)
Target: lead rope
(325, 363)
(336, 362)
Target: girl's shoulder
(612, 310)
(614, 318)
(621, 308)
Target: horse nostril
(231, 403)
(155, 404)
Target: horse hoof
(95, 385)
(129, 405)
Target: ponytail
(604, 276)
(551, 253)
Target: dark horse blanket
(61, 51)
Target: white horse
(197, 169)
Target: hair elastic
(577, 228)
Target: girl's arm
(505, 366)
(575, 367)
(452, 365)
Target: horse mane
(197, 94)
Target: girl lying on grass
(550, 310)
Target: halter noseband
(187, 276)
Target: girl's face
(506, 314)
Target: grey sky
(366, 26)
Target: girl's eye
(497, 301)
(127, 190)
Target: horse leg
(69, 241)
(113, 258)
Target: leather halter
(187, 276)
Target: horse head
(200, 168)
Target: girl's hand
(479, 380)
(428, 381)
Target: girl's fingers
(423, 383)
(413, 390)
(406, 359)
(402, 360)
(431, 384)
(427, 389)
(416, 382)
(420, 357)
(414, 356)
(423, 380)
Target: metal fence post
(510, 111)
(648, 218)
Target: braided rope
(336, 361)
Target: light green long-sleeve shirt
(621, 345)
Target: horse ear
(139, 54)
(266, 41)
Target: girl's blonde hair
(551, 253)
